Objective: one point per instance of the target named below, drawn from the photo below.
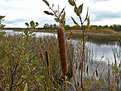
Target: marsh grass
(23, 63)
(99, 38)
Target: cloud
(15, 21)
(100, 0)
(101, 15)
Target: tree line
(92, 27)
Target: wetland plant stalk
(62, 50)
(82, 54)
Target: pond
(104, 51)
(97, 51)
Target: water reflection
(103, 50)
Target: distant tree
(116, 27)
(55, 26)
(51, 27)
(106, 26)
(75, 27)
(67, 27)
(46, 26)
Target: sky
(17, 12)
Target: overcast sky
(17, 12)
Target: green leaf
(75, 9)
(72, 2)
(26, 87)
(27, 24)
(46, 2)
(75, 21)
(1, 17)
(2, 26)
(80, 8)
(32, 24)
(37, 24)
(48, 13)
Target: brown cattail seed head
(62, 50)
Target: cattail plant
(62, 50)
(47, 62)
(60, 19)
(61, 41)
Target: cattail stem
(66, 86)
(48, 63)
(48, 68)
(62, 50)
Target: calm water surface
(102, 52)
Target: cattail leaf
(46, 2)
(71, 2)
(75, 21)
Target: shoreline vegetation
(95, 36)
(39, 58)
